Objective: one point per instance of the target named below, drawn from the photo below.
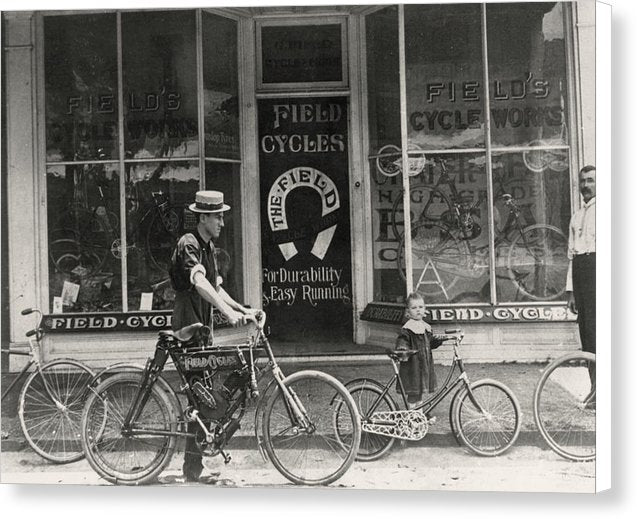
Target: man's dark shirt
(190, 307)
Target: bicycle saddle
(183, 335)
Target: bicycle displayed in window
(51, 400)
(442, 230)
(564, 406)
(86, 236)
(484, 415)
(132, 420)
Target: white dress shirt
(581, 236)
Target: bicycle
(564, 405)
(86, 236)
(484, 415)
(51, 400)
(131, 420)
(536, 255)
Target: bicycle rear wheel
(492, 428)
(126, 457)
(564, 406)
(368, 399)
(537, 262)
(50, 409)
(314, 453)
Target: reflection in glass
(83, 231)
(158, 194)
(445, 94)
(527, 74)
(80, 69)
(225, 177)
(221, 87)
(449, 228)
(160, 87)
(532, 212)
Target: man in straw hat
(197, 283)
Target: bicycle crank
(406, 425)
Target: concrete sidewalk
(520, 378)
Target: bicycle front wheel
(538, 263)
(137, 455)
(564, 406)
(369, 398)
(487, 417)
(50, 409)
(300, 430)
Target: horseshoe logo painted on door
(330, 203)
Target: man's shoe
(192, 474)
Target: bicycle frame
(166, 349)
(448, 386)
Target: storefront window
(157, 195)
(221, 87)
(445, 87)
(527, 81)
(383, 86)
(531, 212)
(160, 86)
(83, 233)
(93, 192)
(527, 75)
(81, 87)
(475, 224)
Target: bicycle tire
(526, 262)
(564, 420)
(448, 256)
(301, 455)
(79, 238)
(435, 213)
(160, 239)
(104, 442)
(52, 430)
(367, 395)
(493, 432)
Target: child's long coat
(417, 374)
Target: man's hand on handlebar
(236, 318)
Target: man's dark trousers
(584, 293)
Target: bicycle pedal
(226, 457)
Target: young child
(417, 373)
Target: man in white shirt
(580, 282)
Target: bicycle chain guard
(406, 425)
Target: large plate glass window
(529, 133)
(223, 147)
(383, 116)
(93, 192)
(488, 196)
(83, 187)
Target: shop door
(305, 225)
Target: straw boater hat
(208, 202)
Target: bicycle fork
(152, 370)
